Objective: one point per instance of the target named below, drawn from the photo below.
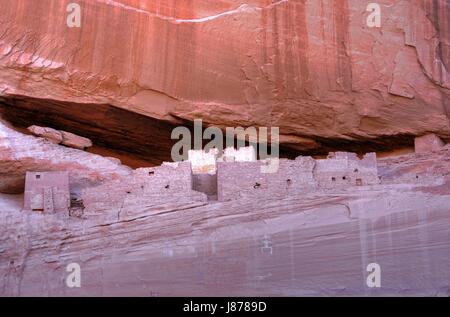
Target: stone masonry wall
(346, 169)
(47, 192)
(243, 179)
(169, 179)
(340, 170)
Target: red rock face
(313, 68)
(135, 69)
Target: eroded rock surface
(313, 244)
(134, 70)
(61, 137)
(20, 153)
(428, 143)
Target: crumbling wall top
(306, 161)
(203, 162)
(243, 154)
(46, 179)
(342, 155)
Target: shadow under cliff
(138, 140)
(135, 139)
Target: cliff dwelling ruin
(235, 175)
(47, 192)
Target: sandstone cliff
(313, 68)
(135, 69)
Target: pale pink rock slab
(428, 143)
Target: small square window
(38, 176)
